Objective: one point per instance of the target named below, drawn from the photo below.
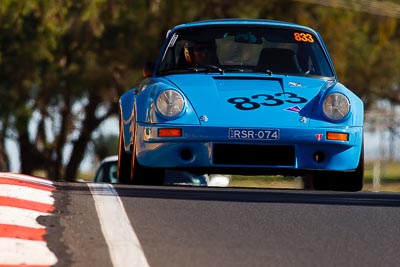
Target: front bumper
(297, 151)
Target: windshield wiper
(241, 69)
(267, 71)
(202, 68)
(207, 69)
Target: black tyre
(141, 175)
(124, 159)
(341, 181)
(352, 181)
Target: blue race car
(242, 96)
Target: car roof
(236, 21)
(110, 159)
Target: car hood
(251, 101)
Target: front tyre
(341, 181)
(141, 175)
(124, 161)
(352, 181)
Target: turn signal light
(170, 132)
(337, 136)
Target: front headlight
(170, 103)
(336, 106)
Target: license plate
(253, 134)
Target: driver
(196, 54)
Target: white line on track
(123, 244)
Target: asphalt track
(190, 226)
(103, 225)
(251, 227)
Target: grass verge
(386, 173)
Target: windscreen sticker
(303, 37)
(256, 101)
(173, 40)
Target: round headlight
(336, 106)
(170, 103)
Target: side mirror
(148, 69)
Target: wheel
(141, 175)
(124, 161)
(341, 181)
(352, 181)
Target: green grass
(86, 176)
(265, 181)
(389, 179)
(389, 171)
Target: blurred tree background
(64, 63)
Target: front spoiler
(194, 150)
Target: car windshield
(107, 173)
(245, 49)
